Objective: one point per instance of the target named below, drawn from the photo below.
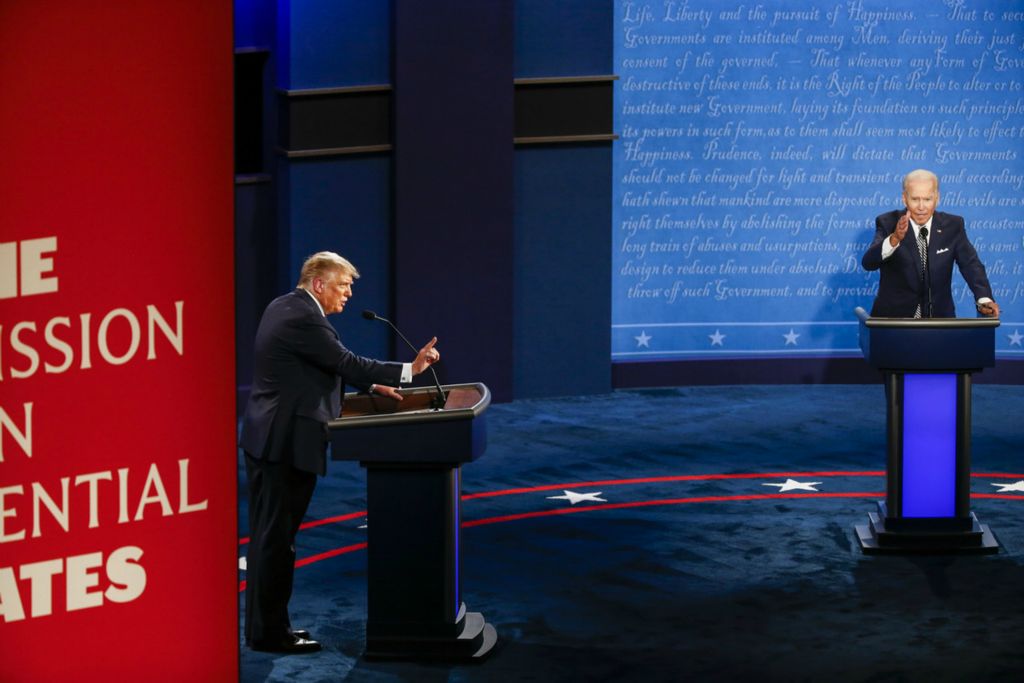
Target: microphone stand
(436, 402)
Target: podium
(413, 455)
(927, 366)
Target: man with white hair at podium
(915, 249)
(300, 369)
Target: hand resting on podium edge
(383, 390)
(989, 309)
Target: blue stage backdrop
(760, 140)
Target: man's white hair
(921, 174)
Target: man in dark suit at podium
(915, 249)
(301, 367)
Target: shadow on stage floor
(714, 541)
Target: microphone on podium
(436, 403)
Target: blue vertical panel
(255, 227)
(453, 127)
(565, 38)
(929, 445)
(254, 23)
(332, 43)
(562, 270)
(283, 44)
(255, 280)
(562, 213)
(342, 204)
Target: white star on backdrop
(242, 564)
(1016, 486)
(643, 339)
(363, 525)
(1015, 338)
(794, 485)
(791, 337)
(574, 497)
(716, 338)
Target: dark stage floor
(700, 534)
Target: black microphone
(436, 403)
(927, 275)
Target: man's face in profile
(921, 198)
(333, 292)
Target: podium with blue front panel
(927, 366)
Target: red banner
(117, 419)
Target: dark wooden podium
(927, 366)
(413, 456)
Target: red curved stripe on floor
(636, 504)
(616, 482)
(316, 558)
(329, 554)
(646, 480)
(666, 501)
(319, 522)
(680, 477)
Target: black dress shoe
(291, 645)
(300, 632)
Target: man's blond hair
(324, 264)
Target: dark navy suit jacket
(301, 367)
(901, 288)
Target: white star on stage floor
(1015, 338)
(643, 339)
(716, 338)
(791, 337)
(1017, 487)
(794, 485)
(574, 497)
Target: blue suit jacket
(301, 366)
(901, 288)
